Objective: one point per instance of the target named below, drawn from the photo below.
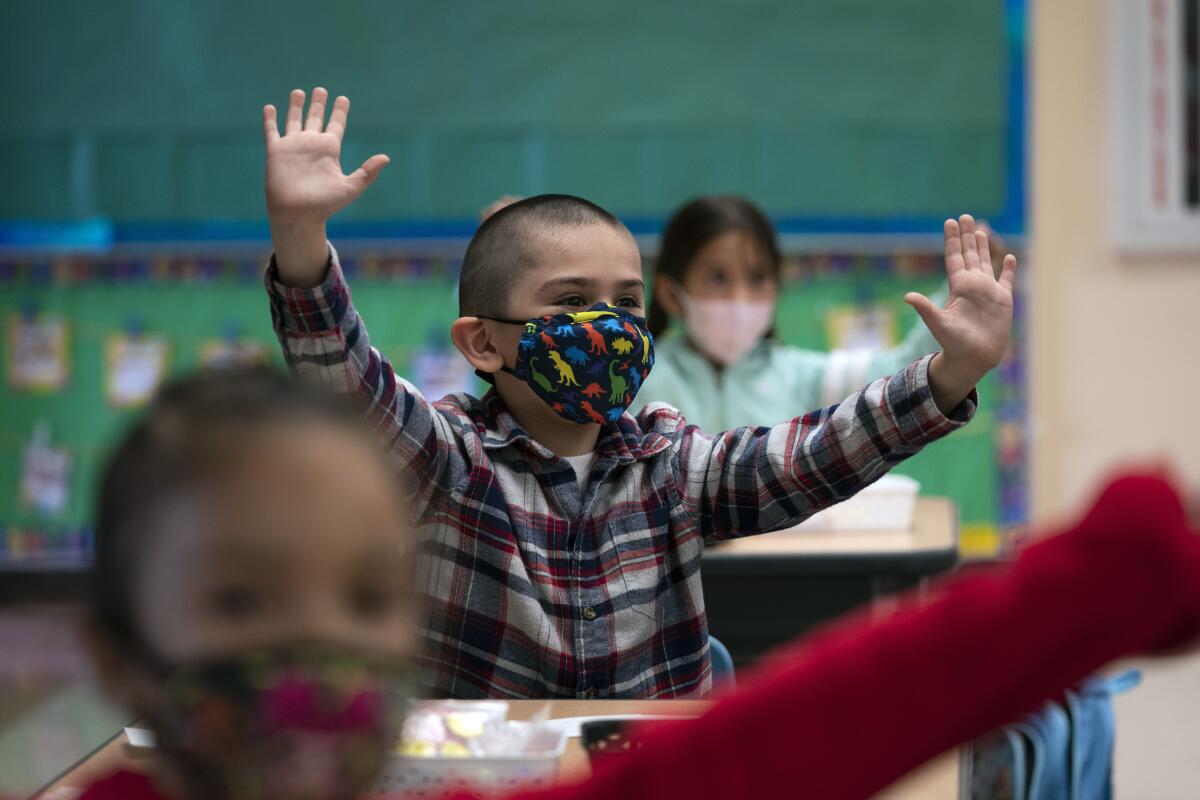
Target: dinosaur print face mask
(586, 365)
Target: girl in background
(712, 311)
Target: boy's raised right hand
(305, 184)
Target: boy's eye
(758, 279)
(629, 302)
(237, 602)
(573, 301)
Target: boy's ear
(666, 291)
(473, 339)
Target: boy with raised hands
(561, 536)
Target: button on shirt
(513, 552)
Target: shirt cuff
(316, 310)
(920, 419)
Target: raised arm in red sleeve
(854, 708)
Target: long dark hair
(697, 223)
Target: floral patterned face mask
(586, 365)
(297, 721)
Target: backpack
(1064, 751)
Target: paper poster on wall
(857, 327)
(1155, 122)
(226, 353)
(45, 474)
(37, 352)
(136, 366)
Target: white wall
(1115, 341)
(1115, 346)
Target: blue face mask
(586, 365)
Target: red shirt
(856, 706)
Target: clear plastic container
(530, 764)
(412, 777)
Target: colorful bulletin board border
(73, 269)
(58, 547)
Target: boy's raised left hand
(975, 326)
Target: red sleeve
(854, 708)
(122, 785)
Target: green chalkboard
(149, 110)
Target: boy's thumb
(370, 169)
(925, 308)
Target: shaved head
(514, 239)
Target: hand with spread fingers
(305, 183)
(975, 326)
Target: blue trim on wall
(1012, 218)
(101, 234)
(151, 232)
(84, 234)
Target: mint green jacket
(773, 382)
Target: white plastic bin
(413, 777)
(457, 745)
(887, 504)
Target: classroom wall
(1115, 367)
(1115, 339)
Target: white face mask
(725, 330)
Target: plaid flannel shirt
(534, 590)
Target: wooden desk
(761, 591)
(931, 544)
(937, 780)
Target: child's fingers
(966, 223)
(316, 110)
(270, 124)
(970, 248)
(337, 117)
(375, 163)
(369, 170)
(929, 312)
(294, 112)
(985, 253)
(953, 247)
(1008, 275)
